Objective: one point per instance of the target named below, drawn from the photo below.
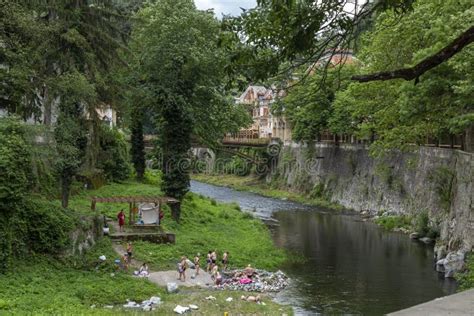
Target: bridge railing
(245, 141)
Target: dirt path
(161, 278)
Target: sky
(225, 6)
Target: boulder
(454, 262)
(440, 265)
(414, 235)
(427, 240)
(171, 287)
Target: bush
(421, 224)
(15, 162)
(466, 279)
(15, 171)
(392, 222)
(48, 227)
(113, 155)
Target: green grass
(43, 286)
(392, 222)
(466, 279)
(205, 225)
(70, 286)
(254, 185)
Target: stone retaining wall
(433, 180)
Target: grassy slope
(252, 184)
(46, 286)
(205, 225)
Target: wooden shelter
(132, 201)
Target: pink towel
(245, 281)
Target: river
(352, 267)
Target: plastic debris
(210, 298)
(172, 287)
(131, 304)
(146, 305)
(229, 299)
(102, 258)
(262, 281)
(192, 306)
(181, 309)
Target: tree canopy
(396, 113)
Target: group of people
(211, 265)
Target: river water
(352, 267)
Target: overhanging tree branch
(426, 64)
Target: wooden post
(93, 205)
(130, 213)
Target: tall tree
(81, 46)
(138, 146)
(175, 52)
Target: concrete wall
(434, 180)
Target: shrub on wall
(25, 225)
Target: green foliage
(113, 155)
(466, 279)
(15, 168)
(443, 179)
(309, 105)
(180, 69)
(20, 34)
(48, 227)
(289, 33)
(42, 286)
(15, 162)
(69, 132)
(402, 113)
(392, 222)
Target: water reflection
(352, 266)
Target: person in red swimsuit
(121, 220)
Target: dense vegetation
(392, 114)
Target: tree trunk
(47, 107)
(176, 211)
(65, 184)
(469, 139)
